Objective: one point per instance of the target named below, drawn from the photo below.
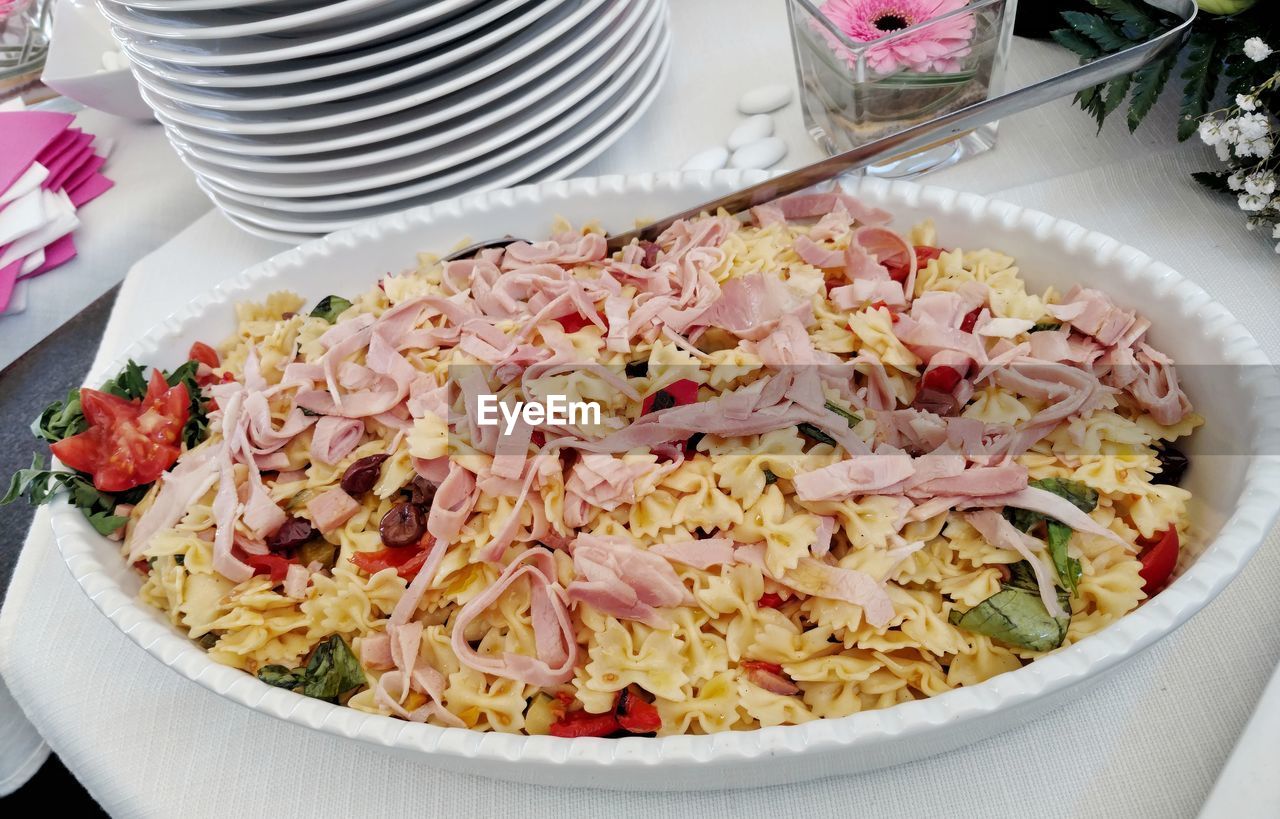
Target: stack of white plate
(300, 117)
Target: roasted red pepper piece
(676, 394)
(970, 320)
(769, 600)
(941, 379)
(582, 724)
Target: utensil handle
(940, 129)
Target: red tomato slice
(970, 320)
(769, 600)
(406, 560)
(204, 354)
(575, 321)
(941, 378)
(899, 269)
(1158, 561)
(680, 392)
(128, 443)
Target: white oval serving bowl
(1237, 490)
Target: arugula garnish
(64, 419)
(332, 671)
(330, 307)
(38, 485)
(1016, 615)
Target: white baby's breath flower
(1246, 102)
(1211, 131)
(1231, 130)
(1256, 49)
(1236, 181)
(1252, 126)
(1260, 182)
(1262, 148)
(1223, 150)
(1252, 202)
(1244, 148)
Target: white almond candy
(760, 154)
(712, 159)
(752, 130)
(764, 99)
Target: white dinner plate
(1237, 496)
(468, 156)
(503, 169)
(266, 48)
(508, 118)
(535, 78)
(576, 23)
(529, 22)
(208, 5)
(325, 18)
(440, 34)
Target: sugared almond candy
(753, 129)
(712, 159)
(759, 154)
(764, 99)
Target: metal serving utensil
(935, 131)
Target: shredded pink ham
(1000, 533)
(452, 505)
(599, 481)
(553, 632)
(810, 205)
(333, 438)
(700, 554)
(331, 508)
(1093, 313)
(771, 682)
(862, 292)
(186, 483)
(865, 475)
(750, 306)
(296, 578)
(1155, 387)
(820, 579)
(617, 578)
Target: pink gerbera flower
(937, 47)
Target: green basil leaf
(105, 524)
(279, 676)
(810, 431)
(851, 419)
(1015, 616)
(769, 477)
(1081, 496)
(330, 307)
(1041, 326)
(332, 670)
(1068, 568)
(311, 413)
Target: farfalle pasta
(834, 468)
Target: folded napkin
(48, 170)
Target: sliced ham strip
(750, 306)
(1004, 327)
(452, 505)
(1093, 313)
(375, 652)
(1035, 499)
(331, 509)
(333, 438)
(862, 292)
(819, 579)
(188, 481)
(1000, 533)
(811, 205)
(296, 578)
(621, 579)
(700, 554)
(1156, 389)
(553, 631)
(815, 254)
(863, 475)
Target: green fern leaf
(1075, 42)
(1098, 30)
(1131, 16)
(1212, 180)
(1148, 82)
(1204, 63)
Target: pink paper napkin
(23, 134)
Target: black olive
(420, 491)
(403, 525)
(650, 254)
(1173, 465)
(362, 475)
(292, 533)
(637, 369)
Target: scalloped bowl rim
(1222, 559)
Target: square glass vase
(856, 91)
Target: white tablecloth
(1149, 741)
